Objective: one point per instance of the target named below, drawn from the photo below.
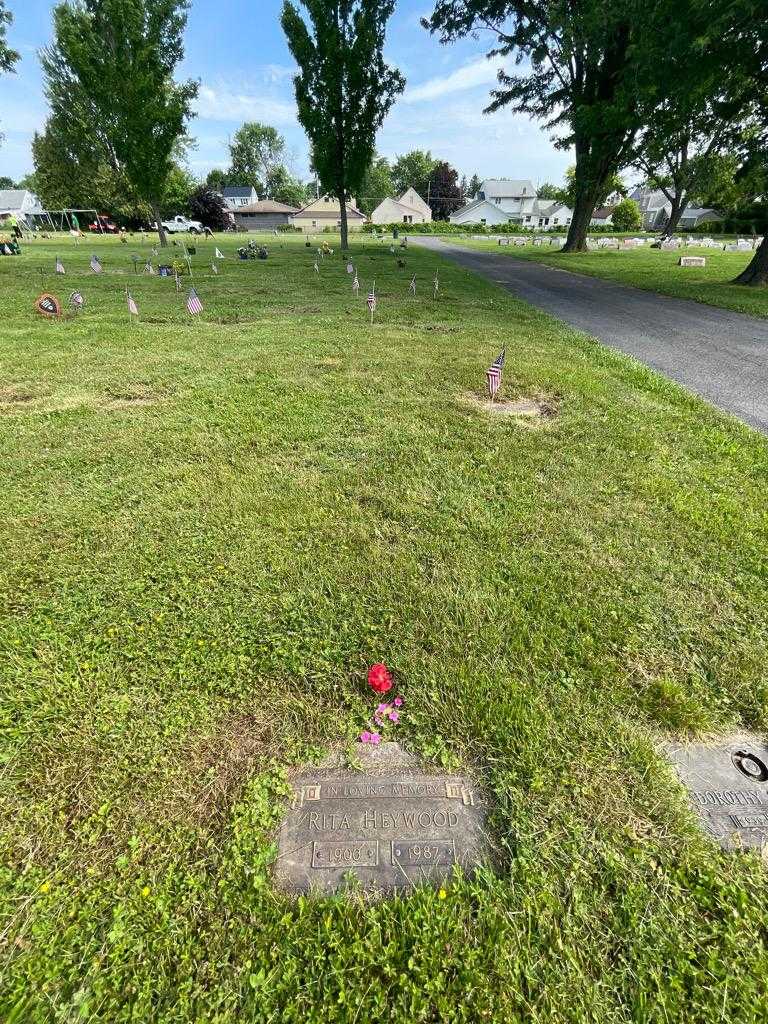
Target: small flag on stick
(149, 269)
(59, 266)
(177, 280)
(372, 300)
(76, 301)
(412, 286)
(95, 264)
(437, 284)
(493, 373)
(350, 268)
(317, 269)
(214, 268)
(219, 254)
(133, 309)
(356, 285)
(194, 305)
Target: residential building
(656, 209)
(696, 215)
(503, 201)
(602, 217)
(325, 212)
(410, 208)
(265, 215)
(237, 196)
(21, 204)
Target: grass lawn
(210, 528)
(655, 270)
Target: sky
(236, 49)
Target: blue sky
(237, 50)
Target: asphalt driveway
(718, 354)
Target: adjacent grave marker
(692, 261)
(728, 786)
(390, 826)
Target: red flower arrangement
(379, 678)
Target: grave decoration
(387, 826)
(48, 305)
(728, 788)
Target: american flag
(412, 286)
(194, 305)
(95, 264)
(59, 266)
(317, 269)
(76, 301)
(356, 285)
(133, 309)
(493, 373)
(371, 300)
(437, 283)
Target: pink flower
(398, 702)
(382, 708)
(365, 737)
(375, 738)
(394, 717)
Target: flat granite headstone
(390, 825)
(728, 786)
(692, 261)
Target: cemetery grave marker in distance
(692, 261)
(390, 826)
(728, 787)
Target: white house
(410, 208)
(512, 201)
(236, 196)
(21, 204)
(602, 217)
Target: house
(502, 201)
(655, 208)
(325, 212)
(602, 217)
(410, 208)
(236, 196)
(21, 204)
(696, 215)
(263, 216)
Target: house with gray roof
(236, 196)
(512, 201)
(21, 204)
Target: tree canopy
(122, 57)
(8, 57)
(255, 151)
(445, 196)
(412, 170)
(377, 185)
(344, 88)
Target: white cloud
(479, 72)
(223, 104)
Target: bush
(627, 216)
(209, 208)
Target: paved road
(720, 355)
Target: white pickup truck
(180, 223)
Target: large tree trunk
(158, 221)
(677, 211)
(757, 272)
(344, 226)
(583, 209)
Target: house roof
(12, 198)
(334, 210)
(508, 187)
(698, 211)
(237, 191)
(476, 204)
(266, 206)
(402, 207)
(603, 212)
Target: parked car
(179, 223)
(103, 225)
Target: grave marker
(692, 261)
(390, 826)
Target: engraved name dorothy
(727, 797)
(372, 821)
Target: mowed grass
(654, 270)
(210, 528)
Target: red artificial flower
(379, 679)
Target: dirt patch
(531, 409)
(16, 396)
(134, 398)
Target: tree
(626, 216)
(344, 88)
(255, 151)
(548, 191)
(6, 182)
(216, 179)
(613, 185)
(475, 185)
(444, 193)
(8, 57)
(377, 185)
(592, 72)
(412, 170)
(179, 186)
(207, 206)
(122, 57)
(284, 188)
